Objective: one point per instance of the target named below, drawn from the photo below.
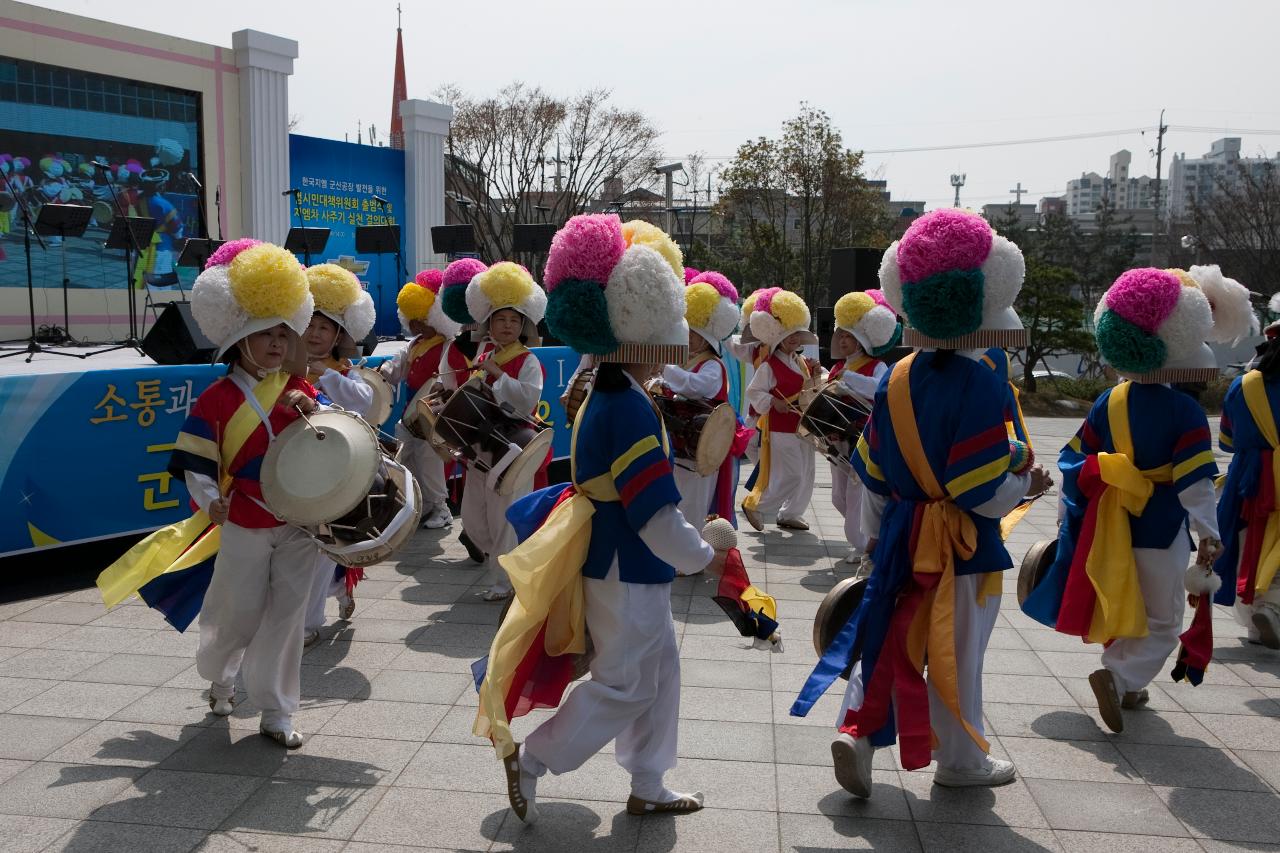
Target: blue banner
(83, 455)
(337, 182)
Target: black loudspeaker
(853, 269)
(453, 239)
(176, 339)
(532, 236)
(369, 344)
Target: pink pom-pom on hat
(431, 279)
(690, 274)
(717, 280)
(764, 298)
(1145, 297)
(587, 248)
(877, 296)
(226, 253)
(943, 240)
(461, 271)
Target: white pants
(791, 472)
(1244, 612)
(484, 518)
(426, 466)
(633, 695)
(695, 494)
(252, 617)
(1135, 661)
(974, 623)
(846, 494)
(323, 585)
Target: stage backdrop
(338, 181)
(83, 455)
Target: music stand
(129, 234)
(453, 239)
(196, 253)
(381, 240)
(63, 221)
(307, 242)
(532, 237)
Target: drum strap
(251, 398)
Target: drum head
(834, 611)
(308, 480)
(379, 521)
(524, 466)
(383, 396)
(1035, 565)
(717, 435)
(103, 214)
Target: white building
(1192, 179)
(1086, 194)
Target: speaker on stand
(175, 338)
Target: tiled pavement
(105, 743)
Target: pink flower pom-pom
(690, 274)
(226, 253)
(588, 247)
(878, 298)
(717, 280)
(943, 240)
(764, 298)
(431, 279)
(462, 271)
(1145, 296)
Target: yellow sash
(699, 358)
(175, 547)
(421, 346)
(752, 501)
(1255, 397)
(946, 532)
(327, 363)
(501, 357)
(1110, 564)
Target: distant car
(1044, 373)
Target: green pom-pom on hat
(578, 314)
(946, 304)
(1126, 347)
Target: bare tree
(525, 155)
(1238, 226)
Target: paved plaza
(106, 742)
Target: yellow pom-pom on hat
(700, 302)
(790, 310)
(415, 301)
(267, 281)
(334, 288)
(851, 308)
(506, 285)
(1184, 277)
(637, 232)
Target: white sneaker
(854, 556)
(992, 774)
(288, 737)
(1267, 624)
(221, 707)
(310, 638)
(851, 758)
(438, 518)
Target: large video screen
(54, 124)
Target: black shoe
(476, 555)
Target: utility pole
(1155, 231)
(957, 181)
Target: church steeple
(399, 90)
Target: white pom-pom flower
(891, 278)
(1233, 317)
(644, 296)
(1002, 272)
(1188, 326)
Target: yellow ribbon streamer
(946, 532)
(1255, 397)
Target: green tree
(1053, 316)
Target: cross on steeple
(397, 16)
(1017, 193)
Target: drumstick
(310, 426)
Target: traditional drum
(832, 419)
(700, 432)
(1035, 565)
(384, 396)
(577, 393)
(834, 612)
(418, 420)
(103, 214)
(473, 426)
(327, 475)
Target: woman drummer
(431, 360)
(344, 314)
(253, 300)
(711, 310)
(866, 328)
(780, 322)
(508, 304)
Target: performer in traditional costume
(780, 321)
(866, 328)
(253, 300)
(711, 310)
(1137, 472)
(431, 361)
(1248, 515)
(601, 552)
(344, 314)
(508, 304)
(940, 472)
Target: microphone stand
(33, 346)
(401, 269)
(132, 342)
